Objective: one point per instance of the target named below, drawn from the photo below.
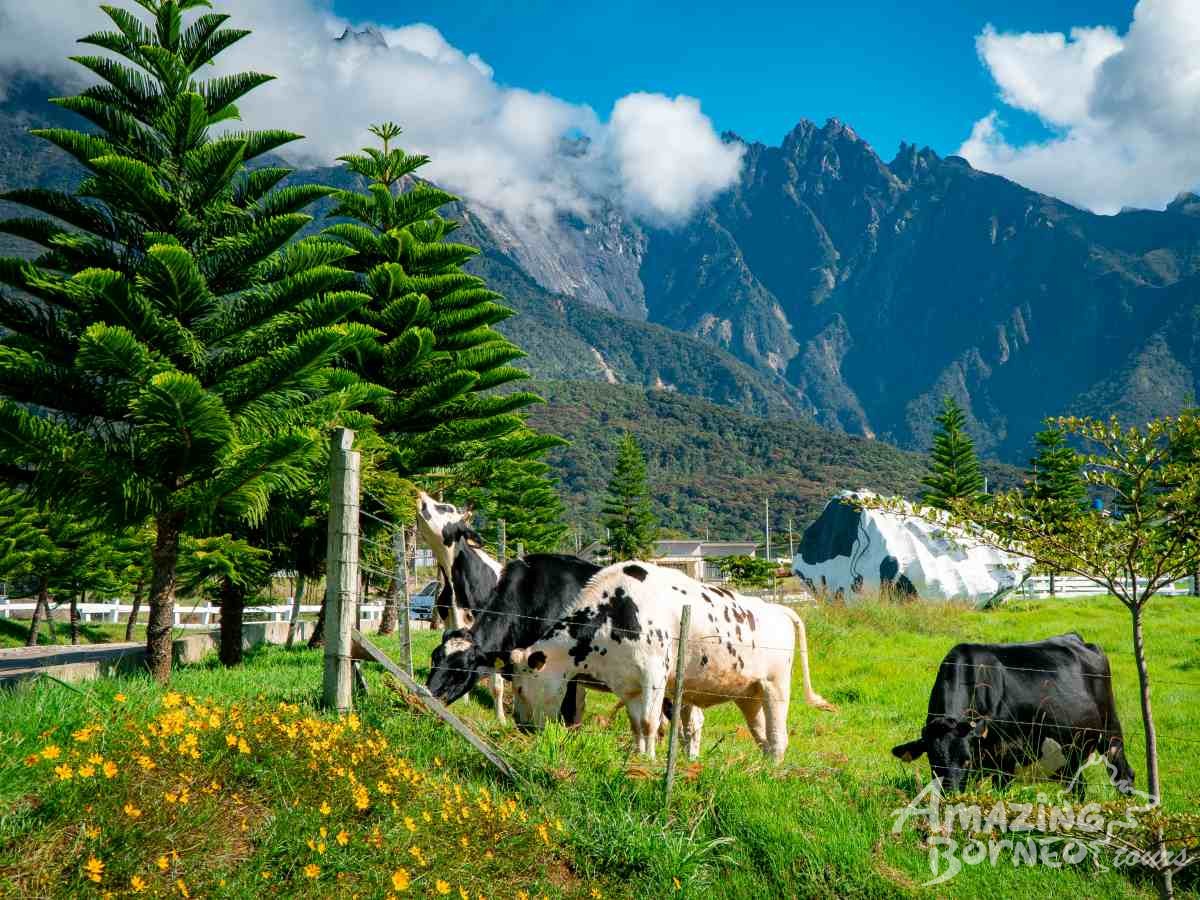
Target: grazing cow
(531, 594)
(620, 635)
(996, 707)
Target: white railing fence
(206, 614)
(1037, 587)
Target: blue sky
(892, 70)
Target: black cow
(531, 595)
(993, 707)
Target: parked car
(421, 603)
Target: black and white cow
(620, 635)
(995, 708)
(531, 593)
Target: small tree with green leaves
(1055, 479)
(954, 473)
(166, 358)
(744, 571)
(628, 515)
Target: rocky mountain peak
(370, 37)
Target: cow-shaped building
(850, 551)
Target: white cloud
(493, 143)
(1123, 109)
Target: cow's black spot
(739, 633)
(729, 647)
(704, 659)
(711, 617)
(832, 535)
(727, 614)
(905, 587)
(707, 599)
(636, 571)
(750, 617)
(536, 660)
(889, 567)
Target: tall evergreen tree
(525, 496)
(627, 514)
(954, 473)
(1054, 484)
(437, 352)
(166, 358)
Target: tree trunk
(42, 603)
(318, 635)
(75, 617)
(137, 608)
(233, 606)
(165, 556)
(297, 602)
(391, 616)
(1051, 584)
(1153, 786)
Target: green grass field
(818, 825)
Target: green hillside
(712, 467)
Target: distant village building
(688, 556)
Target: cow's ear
(517, 657)
(910, 751)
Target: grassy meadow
(231, 785)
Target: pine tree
(166, 358)
(1055, 484)
(437, 352)
(525, 496)
(627, 514)
(954, 473)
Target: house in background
(688, 556)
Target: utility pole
(767, 519)
(791, 542)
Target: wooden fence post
(685, 624)
(342, 570)
(400, 574)
(520, 549)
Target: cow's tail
(811, 697)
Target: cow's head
(456, 666)
(432, 519)
(953, 748)
(540, 682)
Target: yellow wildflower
(83, 735)
(231, 740)
(137, 884)
(400, 879)
(326, 809)
(132, 811)
(171, 700)
(343, 838)
(51, 752)
(120, 698)
(86, 771)
(264, 874)
(94, 869)
(109, 769)
(462, 892)
(312, 871)
(183, 890)
(243, 747)
(64, 772)
(163, 863)
(443, 887)
(409, 823)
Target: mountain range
(830, 285)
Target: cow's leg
(775, 708)
(645, 714)
(1120, 773)
(756, 719)
(693, 725)
(497, 686)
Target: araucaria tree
(627, 513)
(169, 356)
(954, 473)
(1055, 481)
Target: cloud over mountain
(528, 154)
(1122, 109)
